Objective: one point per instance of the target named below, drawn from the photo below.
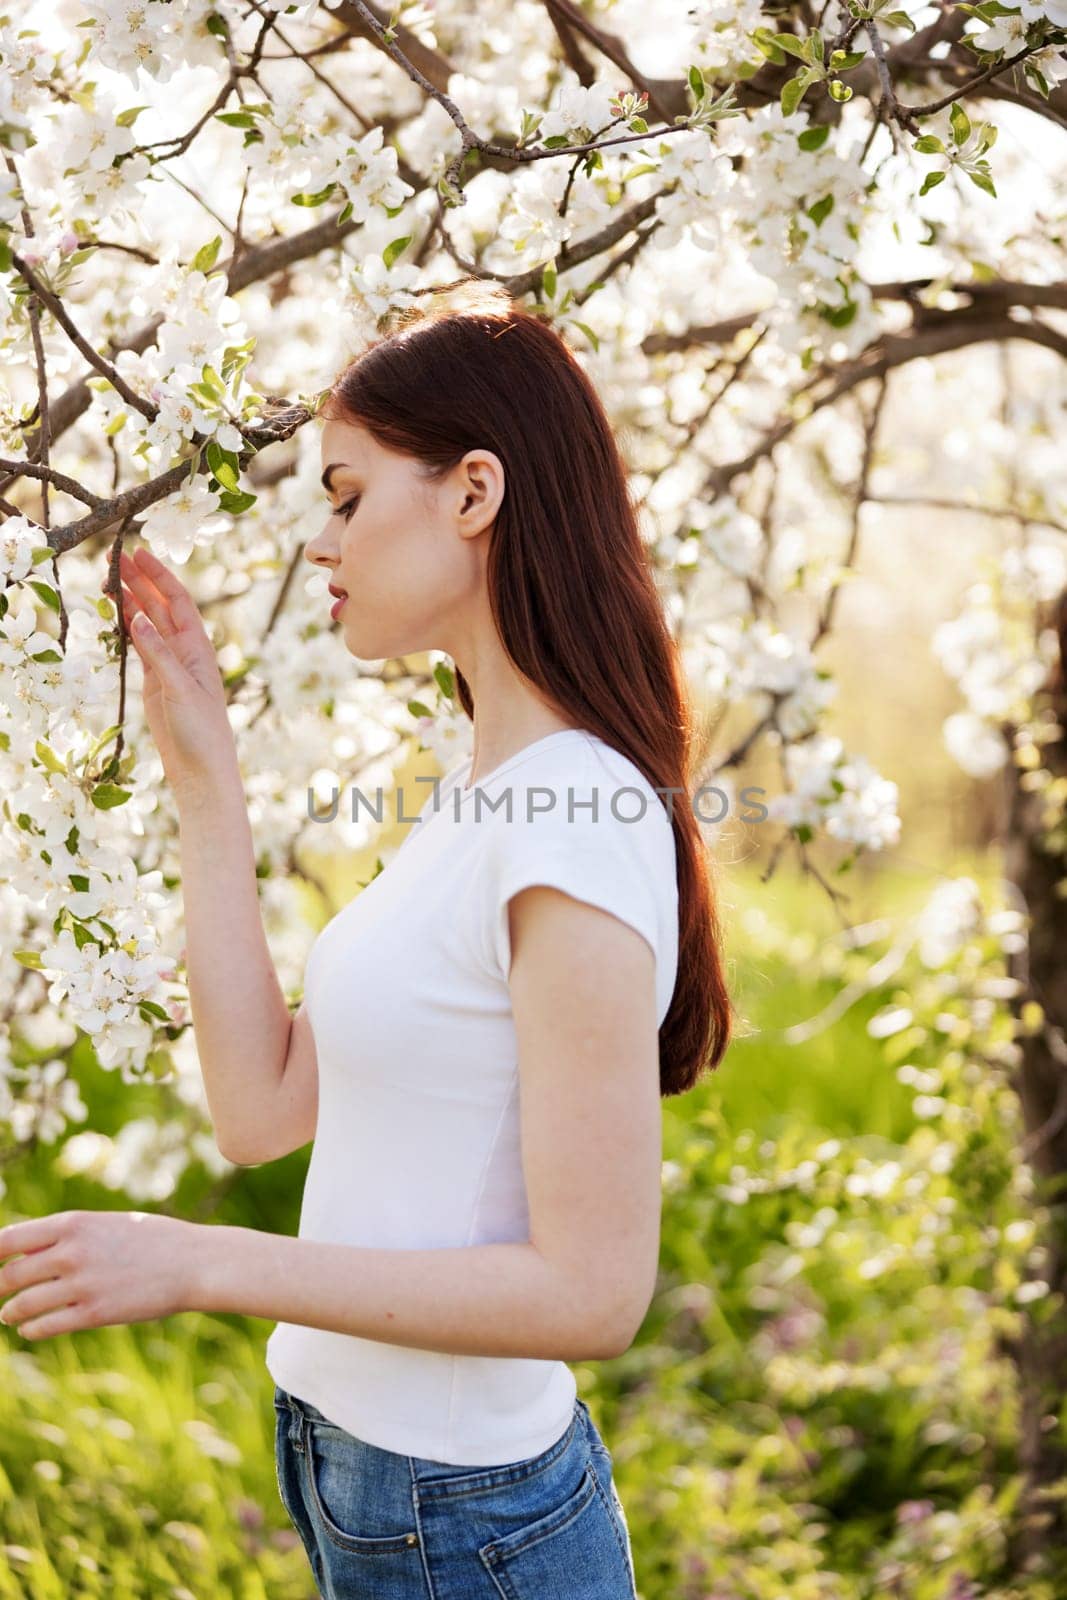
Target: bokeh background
(852, 1380)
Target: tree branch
(882, 356)
(56, 307)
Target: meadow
(820, 1404)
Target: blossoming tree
(752, 224)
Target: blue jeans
(382, 1526)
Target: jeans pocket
(346, 1508)
(574, 1550)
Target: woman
(547, 928)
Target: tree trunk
(1041, 1082)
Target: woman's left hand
(88, 1269)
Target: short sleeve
(623, 867)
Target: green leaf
(766, 40)
(1037, 78)
(813, 138)
(107, 795)
(48, 757)
(845, 60)
(46, 593)
(444, 679)
(218, 457)
(931, 181)
(105, 738)
(395, 248)
(841, 316)
(152, 1008)
(314, 199)
(898, 19)
(590, 335)
(5, 256)
(127, 118)
(28, 958)
(79, 882)
(45, 656)
(237, 502)
(212, 380)
(696, 82)
(983, 181)
(227, 477)
(638, 171)
(795, 47)
(236, 119)
(207, 255)
(839, 91)
(417, 709)
(822, 208)
(549, 279)
(961, 123)
(793, 93)
(929, 145)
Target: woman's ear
(481, 490)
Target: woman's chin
(364, 644)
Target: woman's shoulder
(585, 783)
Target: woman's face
(403, 549)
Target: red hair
(570, 585)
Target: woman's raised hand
(184, 700)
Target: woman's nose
(316, 555)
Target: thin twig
(56, 307)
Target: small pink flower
(911, 1511)
(249, 1514)
(68, 242)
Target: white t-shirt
(417, 1141)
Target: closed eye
(347, 508)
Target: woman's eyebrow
(334, 466)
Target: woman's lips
(335, 609)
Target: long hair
(570, 586)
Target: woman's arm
(245, 1034)
(582, 985)
(246, 1038)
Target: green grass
(780, 1407)
(139, 1461)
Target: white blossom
(177, 525)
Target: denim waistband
(438, 1479)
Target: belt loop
(296, 1422)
